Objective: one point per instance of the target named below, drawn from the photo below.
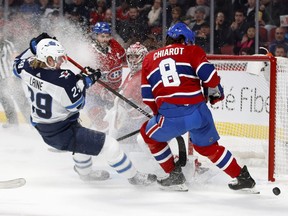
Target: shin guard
(160, 151)
(221, 157)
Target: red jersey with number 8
(175, 74)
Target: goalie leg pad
(160, 150)
(221, 157)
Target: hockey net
(252, 120)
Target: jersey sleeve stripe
(76, 104)
(16, 73)
(155, 86)
(147, 94)
(205, 71)
(155, 70)
(210, 77)
(148, 100)
(199, 67)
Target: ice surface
(53, 189)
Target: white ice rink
(53, 189)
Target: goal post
(252, 120)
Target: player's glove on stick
(36, 40)
(214, 95)
(90, 77)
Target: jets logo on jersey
(64, 74)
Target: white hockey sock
(83, 163)
(117, 159)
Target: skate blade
(247, 191)
(180, 187)
(250, 191)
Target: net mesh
(281, 129)
(242, 118)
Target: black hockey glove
(214, 95)
(35, 41)
(90, 77)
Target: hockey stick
(128, 135)
(180, 140)
(13, 183)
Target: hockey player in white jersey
(57, 95)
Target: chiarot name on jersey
(36, 83)
(169, 51)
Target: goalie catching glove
(35, 41)
(90, 77)
(214, 95)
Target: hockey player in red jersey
(110, 56)
(122, 117)
(131, 86)
(172, 82)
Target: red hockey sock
(160, 150)
(221, 157)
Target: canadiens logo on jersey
(115, 75)
(111, 76)
(64, 74)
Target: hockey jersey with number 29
(55, 95)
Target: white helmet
(135, 55)
(49, 47)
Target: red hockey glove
(214, 95)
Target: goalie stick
(180, 140)
(13, 183)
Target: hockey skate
(142, 179)
(243, 181)
(175, 181)
(94, 175)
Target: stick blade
(182, 151)
(13, 183)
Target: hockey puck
(276, 191)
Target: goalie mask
(135, 55)
(50, 48)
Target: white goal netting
(244, 119)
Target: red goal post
(254, 113)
